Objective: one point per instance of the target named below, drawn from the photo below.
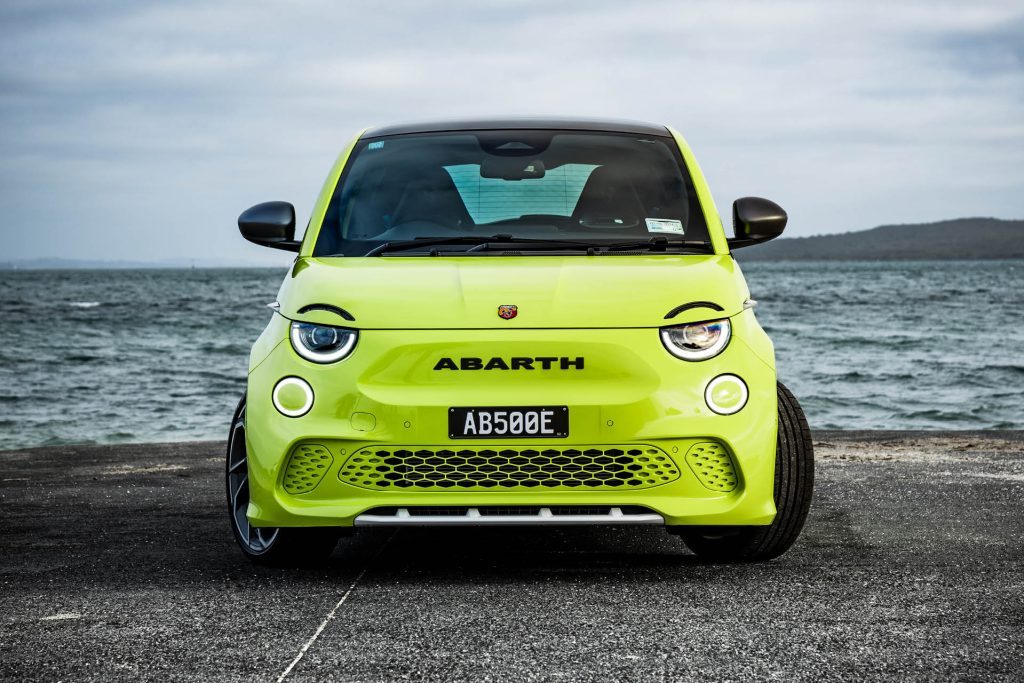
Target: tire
(794, 487)
(267, 545)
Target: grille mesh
(306, 467)
(712, 465)
(593, 469)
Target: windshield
(546, 191)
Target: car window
(599, 188)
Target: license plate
(508, 422)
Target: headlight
(322, 343)
(726, 394)
(292, 396)
(697, 341)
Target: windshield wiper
(656, 243)
(480, 242)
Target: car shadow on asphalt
(493, 553)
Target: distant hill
(963, 238)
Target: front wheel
(266, 545)
(794, 486)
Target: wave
(1012, 369)
(83, 304)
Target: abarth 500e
(516, 322)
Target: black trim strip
(526, 123)
(685, 307)
(329, 308)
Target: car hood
(423, 292)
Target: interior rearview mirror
(511, 168)
(756, 220)
(270, 224)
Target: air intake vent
(591, 469)
(306, 467)
(712, 465)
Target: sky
(139, 131)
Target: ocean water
(160, 355)
(898, 345)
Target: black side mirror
(756, 220)
(271, 224)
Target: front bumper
(505, 516)
(632, 395)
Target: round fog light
(293, 397)
(726, 394)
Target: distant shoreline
(742, 257)
(4, 268)
(961, 239)
(820, 437)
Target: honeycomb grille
(306, 467)
(477, 469)
(712, 465)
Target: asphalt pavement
(117, 562)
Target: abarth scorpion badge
(508, 312)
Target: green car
(516, 322)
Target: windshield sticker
(376, 145)
(665, 225)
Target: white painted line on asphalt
(330, 615)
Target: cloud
(132, 130)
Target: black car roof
(520, 123)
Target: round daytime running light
(322, 343)
(293, 397)
(726, 394)
(697, 341)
